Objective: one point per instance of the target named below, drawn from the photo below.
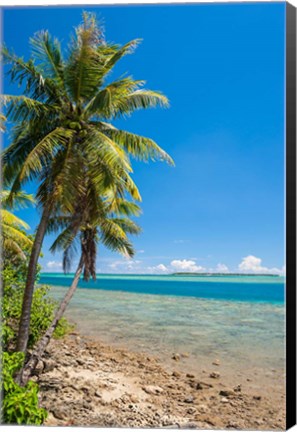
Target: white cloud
(222, 268)
(140, 251)
(128, 263)
(252, 264)
(160, 268)
(54, 264)
(186, 266)
(178, 241)
(284, 270)
(125, 266)
(249, 264)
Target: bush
(42, 312)
(20, 404)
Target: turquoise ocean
(239, 320)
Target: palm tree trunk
(42, 344)
(24, 326)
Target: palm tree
(102, 222)
(15, 242)
(62, 125)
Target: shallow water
(247, 336)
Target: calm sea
(237, 319)
(239, 288)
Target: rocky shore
(87, 383)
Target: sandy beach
(84, 382)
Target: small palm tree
(110, 227)
(63, 128)
(15, 242)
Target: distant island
(223, 274)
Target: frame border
(290, 215)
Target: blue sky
(222, 67)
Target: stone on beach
(214, 375)
(108, 389)
(227, 392)
(155, 390)
(175, 357)
(189, 399)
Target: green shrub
(63, 327)
(20, 404)
(42, 311)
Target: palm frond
(22, 108)
(81, 71)
(104, 149)
(42, 154)
(12, 232)
(9, 219)
(129, 186)
(57, 223)
(14, 239)
(36, 85)
(140, 99)
(105, 101)
(114, 238)
(121, 206)
(25, 137)
(16, 200)
(140, 147)
(64, 240)
(128, 48)
(127, 225)
(47, 51)
(12, 249)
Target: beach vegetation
(42, 312)
(20, 404)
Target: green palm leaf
(103, 148)
(140, 147)
(81, 71)
(47, 51)
(113, 237)
(14, 239)
(41, 154)
(37, 86)
(23, 108)
(140, 99)
(12, 248)
(15, 234)
(9, 219)
(127, 225)
(17, 200)
(124, 50)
